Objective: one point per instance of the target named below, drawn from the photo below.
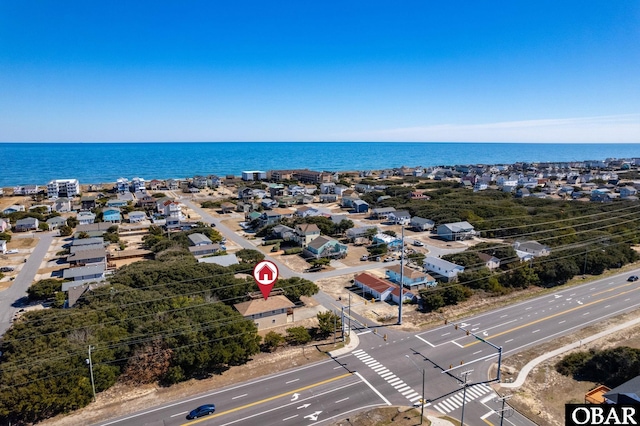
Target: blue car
(203, 410)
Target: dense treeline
(612, 367)
(166, 320)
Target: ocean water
(38, 163)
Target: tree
(431, 299)
(272, 341)
(72, 221)
(328, 322)
(250, 256)
(5, 236)
(296, 287)
(83, 235)
(65, 230)
(298, 335)
(44, 289)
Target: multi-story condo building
(122, 185)
(137, 184)
(63, 188)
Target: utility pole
(342, 324)
(90, 362)
(422, 399)
(502, 399)
(349, 313)
(464, 393)
(584, 270)
(401, 276)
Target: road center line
(179, 414)
(291, 381)
(240, 396)
(341, 400)
(289, 418)
(584, 305)
(262, 401)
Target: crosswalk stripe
(413, 394)
(414, 398)
(437, 407)
(394, 381)
(407, 392)
(402, 387)
(385, 374)
(447, 405)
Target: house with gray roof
(87, 273)
(198, 239)
(325, 247)
(56, 222)
(421, 224)
(88, 256)
(27, 224)
(224, 260)
(456, 231)
(382, 212)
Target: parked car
(201, 411)
(6, 269)
(633, 278)
(364, 257)
(418, 243)
(12, 251)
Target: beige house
(306, 232)
(273, 312)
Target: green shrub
(293, 250)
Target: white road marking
(291, 381)
(510, 340)
(363, 332)
(563, 321)
(335, 368)
(430, 344)
(477, 352)
(456, 343)
(504, 316)
(341, 400)
(487, 398)
(373, 389)
(289, 418)
(446, 334)
(535, 331)
(180, 414)
(586, 313)
(240, 396)
(530, 307)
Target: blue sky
(543, 71)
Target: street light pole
(422, 397)
(464, 393)
(90, 362)
(401, 277)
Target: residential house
(491, 262)
(378, 288)
(408, 295)
(268, 203)
(137, 216)
(421, 224)
(354, 234)
(455, 231)
(327, 188)
(173, 184)
(311, 176)
(306, 211)
(382, 212)
(399, 217)
(363, 188)
(115, 202)
(146, 202)
(88, 202)
(246, 194)
(627, 393)
(27, 224)
(93, 229)
(417, 195)
(526, 250)
(88, 257)
(61, 205)
(56, 222)
(281, 175)
(3, 246)
(410, 277)
(227, 207)
(393, 243)
(85, 218)
(111, 215)
(306, 232)
(349, 200)
(340, 189)
(276, 190)
(84, 274)
(198, 239)
(4, 225)
(282, 232)
(603, 195)
(201, 250)
(328, 198)
(325, 247)
(522, 193)
(30, 189)
(172, 211)
(155, 184)
(13, 208)
(442, 269)
(79, 244)
(628, 191)
(266, 313)
(360, 206)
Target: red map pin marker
(265, 273)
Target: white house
(67, 188)
(527, 249)
(448, 271)
(421, 224)
(456, 231)
(85, 218)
